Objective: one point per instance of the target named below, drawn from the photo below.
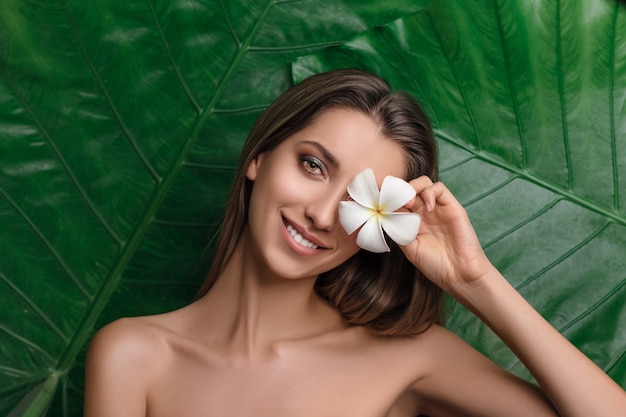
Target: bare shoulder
(127, 347)
(126, 337)
(443, 354)
(459, 380)
(436, 341)
(437, 334)
(122, 360)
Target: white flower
(376, 211)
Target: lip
(295, 245)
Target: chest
(293, 385)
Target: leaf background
(530, 114)
(121, 122)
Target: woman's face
(293, 216)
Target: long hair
(383, 292)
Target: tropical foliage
(121, 123)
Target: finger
(433, 195)
(437, 194)
(419, 184)
(442, 195)
(429, 195)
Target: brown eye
(313, 165)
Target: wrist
(482, 289)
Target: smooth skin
(261, 343)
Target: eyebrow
(327, 155)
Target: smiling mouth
(298, 238)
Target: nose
(323, 211)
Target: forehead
(355, 141)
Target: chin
(296, 269)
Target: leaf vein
(229, 23)
(116, 114)
(258, 107)
(35, 308)
(159, 194)
(560, 75)
(194, 225)
(213, 167)
(489, 191)
(25, 383)
(161, 282)
(457, 81)
(416, 81)
(523, 223)
(456, 165)
(568, 194)
(594, 307)
(615, 361)
(26, 342)
(563, 257)
(290, 48)
(509, 77)
(70, 173)
(612, 52)
(170, 57)
(47, 243)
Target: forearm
(575, 385)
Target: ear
(253, 168)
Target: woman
(294, 319)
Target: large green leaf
(528, 100)
(120, 124)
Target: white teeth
(298, 238)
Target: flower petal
(371, 237)
(394, 193)
(401, 227)
(363, 189)
(352, 215)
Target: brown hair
(383, 292)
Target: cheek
(349, 248)
(290, 187)
(272, 189)
(347, 242)
(287, 184)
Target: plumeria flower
(374, 211)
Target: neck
(249, 308)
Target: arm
(448, 252)
(460, 381)
(118, 364)
(575, 385)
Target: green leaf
(120, 125)
(527, 100)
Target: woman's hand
(446, 249)
(448, 252)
